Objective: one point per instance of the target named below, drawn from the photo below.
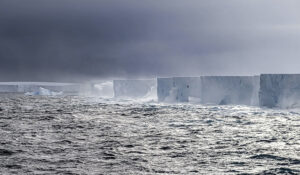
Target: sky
(72, 40)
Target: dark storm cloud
(57, 40)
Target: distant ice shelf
(265, 90)
(24, 87)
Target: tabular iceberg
(23, 87)
(230, 90)
(178, 89)
(209, 89)
(279, 90)
(164, 86)
(133, 88)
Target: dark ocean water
(80, 135)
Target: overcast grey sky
(50, 40)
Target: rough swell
(77, 135)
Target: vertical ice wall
(164, 86)
(210, 89)
(229, 90)
(255, 93)
(279, 90)
(133, 88)
(178, 89)
(187, 87)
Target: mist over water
(92, 135)
(104, 89)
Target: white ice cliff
(178, 89)
(266, 90)
(209, 89)
(279, 90)
(222, 90)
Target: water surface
(81, 135)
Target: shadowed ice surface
(80, 135)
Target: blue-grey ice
(218, 90)
(279, 90)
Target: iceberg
(23, 87)
(220, 90)
(187, 87)
(279, 90)
(164, 87)
(223, 90)
(255, 92)
(133, 88)
(178, 89)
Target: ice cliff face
(266, 90)
(229, 90)
(210, 89)
(279, 90)
(178, 89)
(255, 92)
(133, 88)
(164, 87)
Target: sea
(95, 135)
